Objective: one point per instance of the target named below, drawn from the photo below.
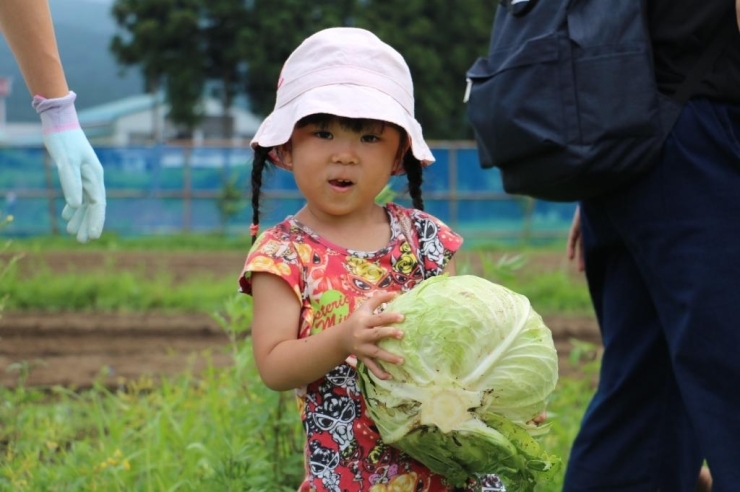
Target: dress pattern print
(343, 451)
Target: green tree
(439, 40)
(242, 44)
(274, 29)
(186, 65)
(163, 38)
(223, 23)
(138, 24)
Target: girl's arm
(286, 362)
(28, 29)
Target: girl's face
(340, 166)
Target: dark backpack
(566, 103)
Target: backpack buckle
(518, 8)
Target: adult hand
(366, 327)
(80, 172)
(575, 241)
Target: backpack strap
(704, 65)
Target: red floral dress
(344, 452)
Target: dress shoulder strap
(412, 236)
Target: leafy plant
(6, 265)
(386, 195)
(230, 201)
(216, 430)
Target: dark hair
(411, 165)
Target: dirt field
(73, 349)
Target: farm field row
(73, 349)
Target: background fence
(176, 188)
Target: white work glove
(80, 172)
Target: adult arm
(28, 28)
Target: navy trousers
(663, 268)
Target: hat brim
(346, 100)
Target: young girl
(343, 124)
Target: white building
(138, 120)
(132, 120)
(21, 135)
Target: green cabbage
(479, 364)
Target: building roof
(108, 112)
(98, 121)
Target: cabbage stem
(448, 408)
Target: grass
(113, 242)
(550, 291)
(38, 287)
(219, 430)
(229, 242)
(113, 291)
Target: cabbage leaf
(479, 364)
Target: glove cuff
(58, 114)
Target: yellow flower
(261, 263)
(304, 251)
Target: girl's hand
(366, 327)
(539, 419)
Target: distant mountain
(84, 30)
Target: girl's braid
(412, 166)
(258, 165)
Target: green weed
(112, 290)
(220, 430)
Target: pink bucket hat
(349, 72)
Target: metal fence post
(187, 183)
(452, 185)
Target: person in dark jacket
(662, 259)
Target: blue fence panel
(165, 189)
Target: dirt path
(73, 349)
